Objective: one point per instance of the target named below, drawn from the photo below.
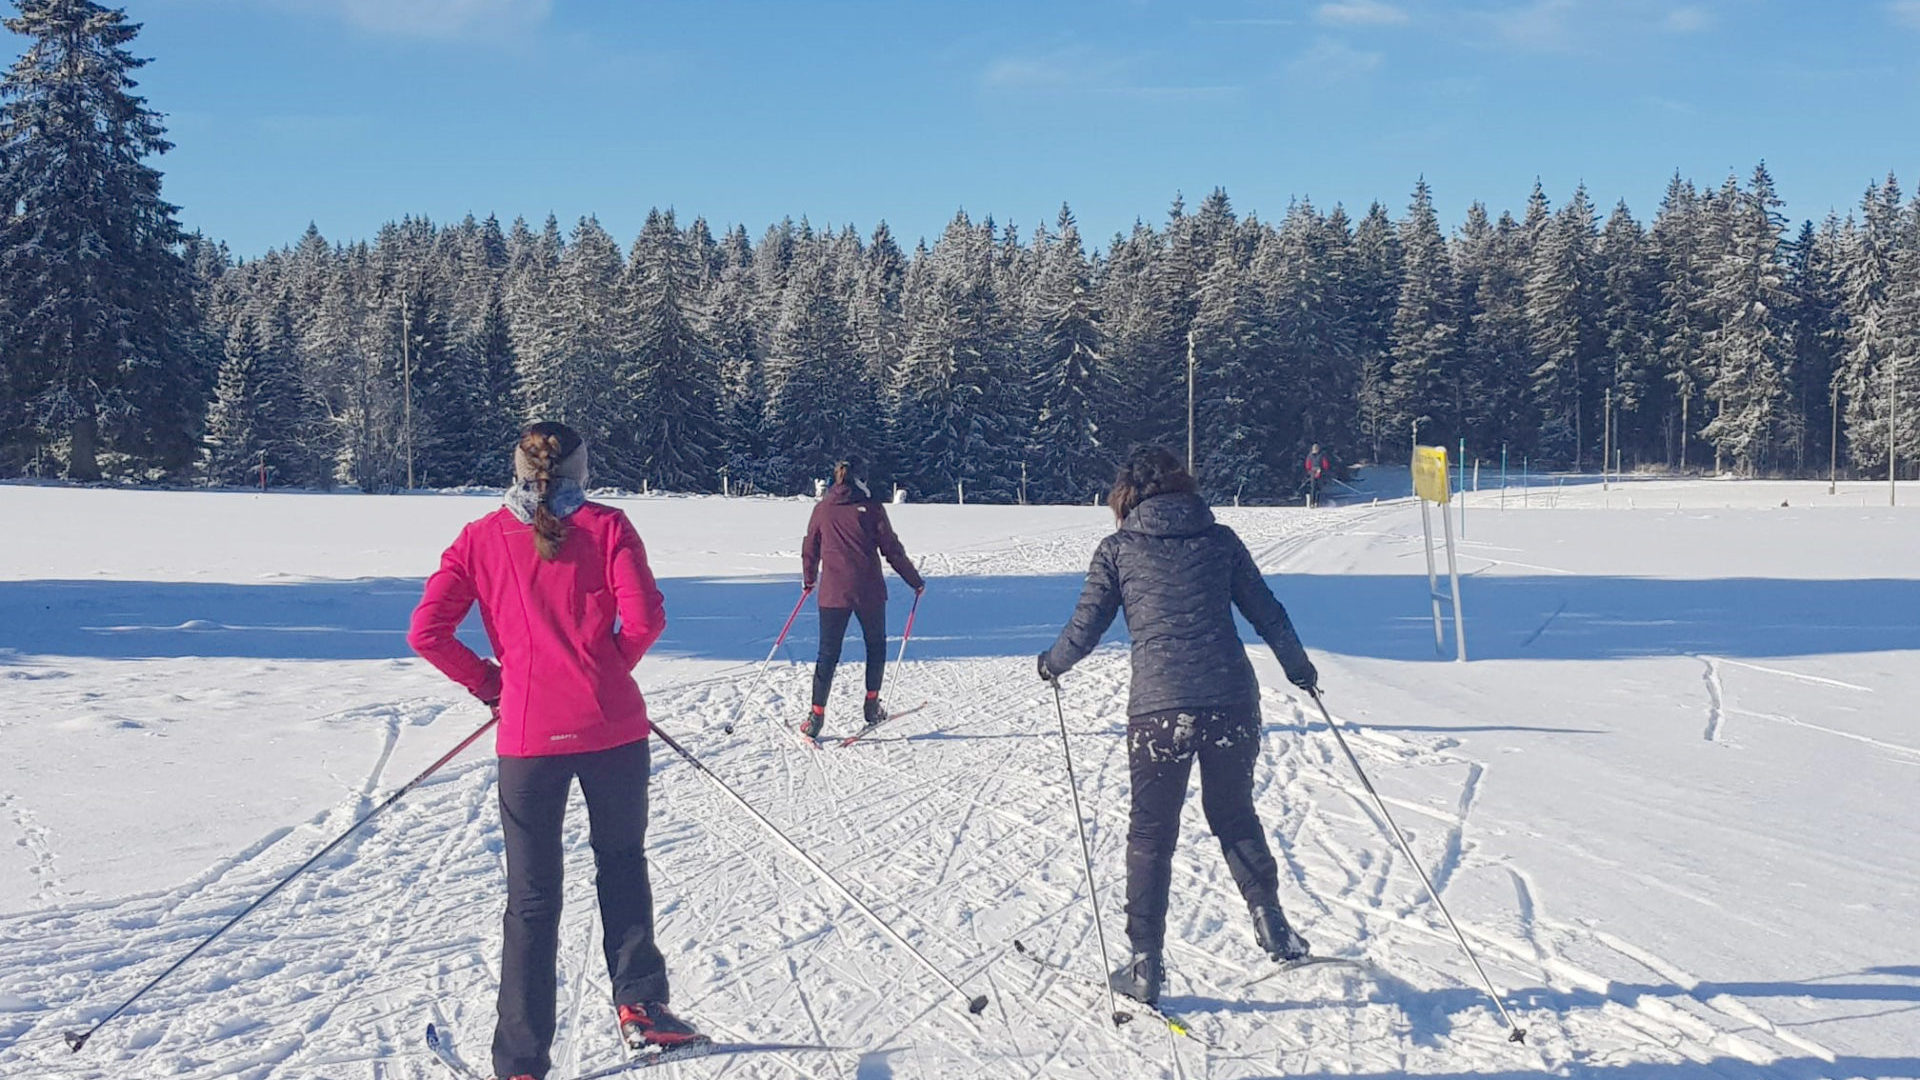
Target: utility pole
(1191, 471)
(1833, 442)
(406, 374)
(1606, 438)
(1893, 431)
(1686, 395)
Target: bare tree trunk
(83, 460)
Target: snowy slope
(1670, 801)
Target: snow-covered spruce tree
(1307, 384)
(1630, 356)
(1872, 336)
(669, 367)
(1425, 331)
(571, 350)
(533, 272)
(1234, 370)
(819, 406)
(1562, 328)
(1070, 382)
(1746, 344)
(875, 320)
(1494, 355)
(1817, 327)
(482, 334)
(730, 327)
(101, 334)
(1902, 376)
(262, 418)
(1371, 294)
(1132, 326)
(1681, 245)
(955, 414)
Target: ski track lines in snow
(954, 827)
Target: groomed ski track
(954, 823)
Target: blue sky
(353, 112)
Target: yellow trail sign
(1430, 473)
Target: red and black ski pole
(906, 634)
(761, 677)
(78, 1039)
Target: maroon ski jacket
(848, 534)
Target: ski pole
(78, 1039)
(975, 1005)
(906, 634)
(761, 678)
(1086, 856)
(1514, 1031)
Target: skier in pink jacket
(570, 607)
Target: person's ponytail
(542, 449)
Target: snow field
(1666, 801)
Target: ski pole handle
(906, 634)
(802, 602)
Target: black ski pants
(1161, 748)
(833, 633)
(533, 808)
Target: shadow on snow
(1545, 617)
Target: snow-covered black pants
(533, 808)
(1161, 748)
(833, 632)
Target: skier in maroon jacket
(847, 536)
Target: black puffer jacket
(1179, 574)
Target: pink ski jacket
(566, 633)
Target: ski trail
(1455, 850)
(1897, 748)
(1814, 679)
(1716, 712)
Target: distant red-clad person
(570, 607)
(1318, 468)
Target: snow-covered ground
(1671, 800)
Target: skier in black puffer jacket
(1179, 575)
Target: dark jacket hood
(1178, 513)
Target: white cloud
(1329, 60)
(1542, 25)
(1083, 71)
(1687, 19)
(437, 18)
(1361, 13)
(1062, 69)
(1905, 12)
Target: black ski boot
(816, 720)
(876, 712)
(1140, 979)
(1280, 940)
(650, 1024)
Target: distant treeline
(697, 360)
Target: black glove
(1046, 673)
(920, 589)
(1305, 677)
